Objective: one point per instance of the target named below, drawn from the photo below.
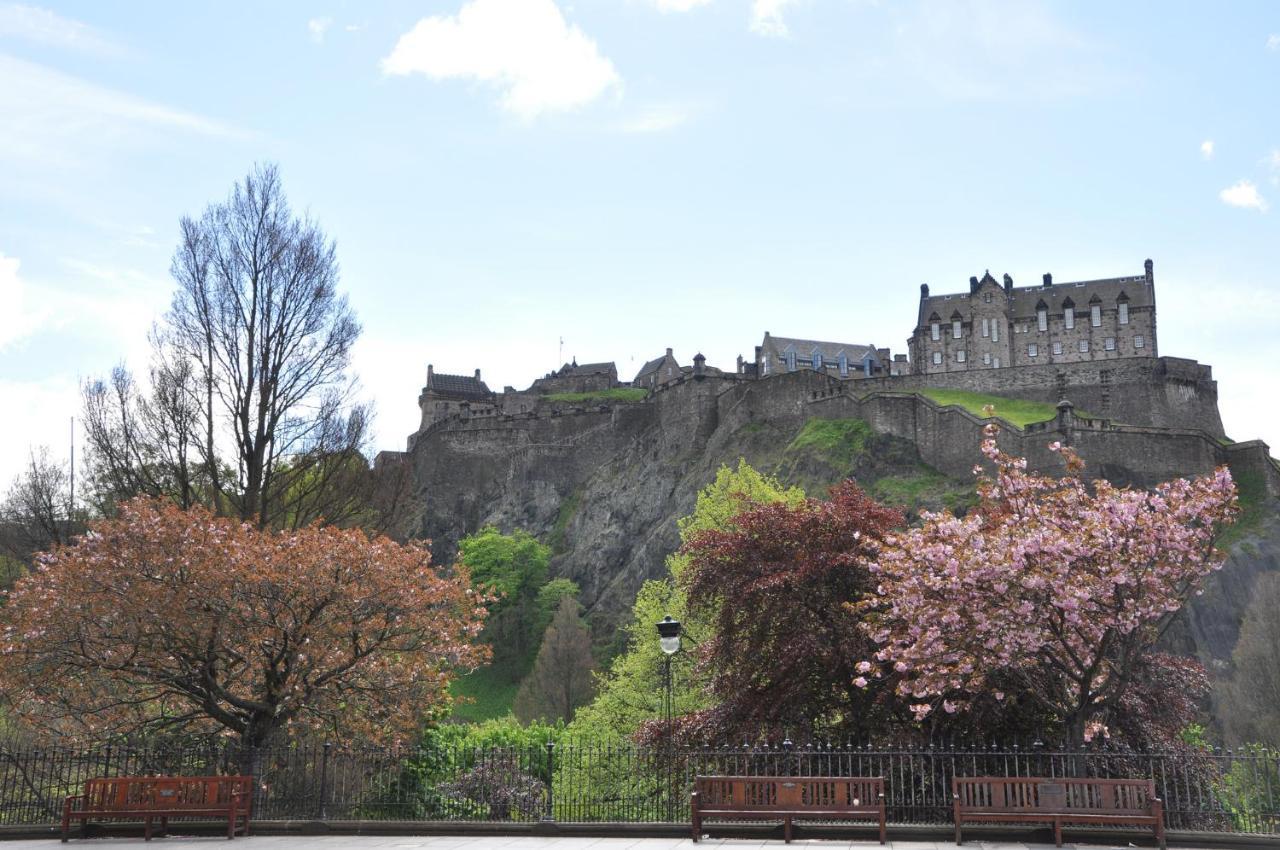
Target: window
(1139, 342)
(844, 365)
(935, 332)
(791, 361)
(817, 359)
(1124, 312)
(937, 358)
(986, 298)
(1069, 318)
(1095, 315)
(955, 328)
(1033, 350)
(986, 358)
(995, 363)
(1042, 318)
(986, 327)
(960, 356)
(995, 330)
(1057, 348)
(1109, 343)
(1084, 346)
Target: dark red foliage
(776, 586)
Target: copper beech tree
(162, 619)
(1054, 587)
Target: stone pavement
(500, 842)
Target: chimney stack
(477, 374)
(1048, 279)
(668, 352)
(924, 291)
(1149, 267)
(973, 283)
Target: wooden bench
(787, 797)
(161, 797)
(1031, 799)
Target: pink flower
(860, 682)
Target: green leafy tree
(1249, 702)
(548, 600)
(512, 567)
(630, 693)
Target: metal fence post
(549, 814)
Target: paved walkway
(499, 842)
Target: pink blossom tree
(1058, 586)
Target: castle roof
(830, 351)
(458, 386)
(576, 369)
(654, 365)
(1024, 301)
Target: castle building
(996, 325)
(575, 378)
(446, 395)
(658, 371)
(779, 354)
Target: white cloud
(766, 17)
(1244, 195)
(54, 118)
(1273, 41)
(525, 48)
(656, 119)
(41, 26)
(317, 27)
(17, 318)
(1206, 149)
(678, 5)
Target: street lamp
(669, 643)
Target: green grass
(841, 441)
(1251, 490)
(1015, 410)
(926, 489)
(614, 394)
(568, 508)
(491, 694)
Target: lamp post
(669, 642)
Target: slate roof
(830, 351)
(459, 386)
(1024, 300)
(576, 369)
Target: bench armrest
(880, 796)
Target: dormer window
(1123, 309)
(817, 359)
(1042, 316)
(790, 355)
(935, 331)
(1095, 312)
(1069, 314)
(844, 365)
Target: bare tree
(562, 674)
(251, 408)
(37, 513)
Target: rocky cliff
(605, 485)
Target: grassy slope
(614, 394)
(1015, 410)
(490, 692)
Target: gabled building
(779, 354)
(447, 395)
(658, 371)
(575, 378)
(996, 324)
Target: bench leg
(697, 828)
(164, 826)
(882, 826)
(146, 828)
(66, 820)
(958, 841)
(1057, 831)
(1160, 834)
(786, 829)
(84, 828)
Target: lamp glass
(670, 645)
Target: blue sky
(634, 174)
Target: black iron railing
(568, 781)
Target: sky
(514, 183)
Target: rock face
(604, 485)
